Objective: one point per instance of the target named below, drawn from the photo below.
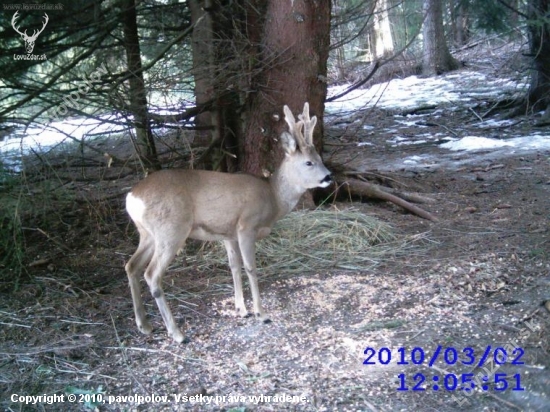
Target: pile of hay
(312, 241)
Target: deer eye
(308, 163)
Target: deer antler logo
(29, 40)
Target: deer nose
(327, 179)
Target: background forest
(217, 67)
(426, 246)
(202, 83)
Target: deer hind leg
(164, 254)
(248, 253)
(236, 264)
(134, 269)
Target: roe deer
(172, 205)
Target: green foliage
(407, 19)
(11, 235)
(27, 208)
(491, 16)
(11, 249)
(79, 38)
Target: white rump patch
(135, 207)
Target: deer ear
(288, 143)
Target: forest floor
(472, 287)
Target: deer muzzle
(327, 180)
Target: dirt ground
(407, 334)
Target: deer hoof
(263, 318)
(179, 337)
(242, 313)
(145, 328)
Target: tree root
(356, 187)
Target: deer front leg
(236, 263)
(248, 253)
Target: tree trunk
(220, 77)
(203, 64)
(294, 38)
(339, 52)
(381, 35)
(138, 98)
(459, 22)
(539, 41)
(436, 56)
(264, 55)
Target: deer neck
(287, 193)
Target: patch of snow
(522, 143)
(46, 137)
(409, 123)
(57, 132)
(396, 139)
(414, 92)
(475, 143)
(446, 94)
(493, 123)
(416, 160)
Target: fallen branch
(410, 197)
(365, 189)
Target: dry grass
(314, 240)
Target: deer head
(302, 167)
(29, 40)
